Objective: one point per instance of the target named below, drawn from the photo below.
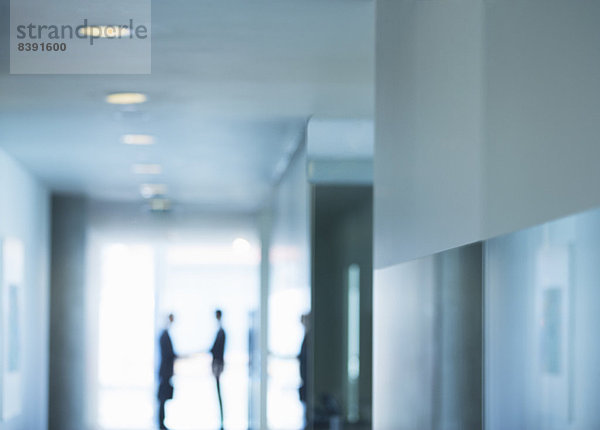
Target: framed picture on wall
(554, 331)
(12, 275)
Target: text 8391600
(41, 47)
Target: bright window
(126, 337)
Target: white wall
(428, 127)
(542, 100)
(486, 119)
(24, 214)
(542, 310)
(486, 123)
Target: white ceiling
(233, 84)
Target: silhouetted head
(170, 319)
(305, 320)
(218, 314)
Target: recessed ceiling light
(241, 245)
(137, 139)
(160, 205)
(126, 98)
(104, 31)
(146, 169)
(153, 190)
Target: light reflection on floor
(284, 408)
(195, 405)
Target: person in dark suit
(303, 361)
(218, 362)
(165, 371)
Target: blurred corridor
(299, 215)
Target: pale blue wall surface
(486, 120)
(542, 313)
(24, 214)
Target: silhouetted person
(165, 372)
(303, 359)
(218, 351)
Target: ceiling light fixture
(137, 139)
(146, 169)
(241, 245)
(160, 205)
(149, 191)
(126, 98)
(104, 31)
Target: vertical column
(460, 338)
(265, 238)
(428, 342)
(67, 314)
